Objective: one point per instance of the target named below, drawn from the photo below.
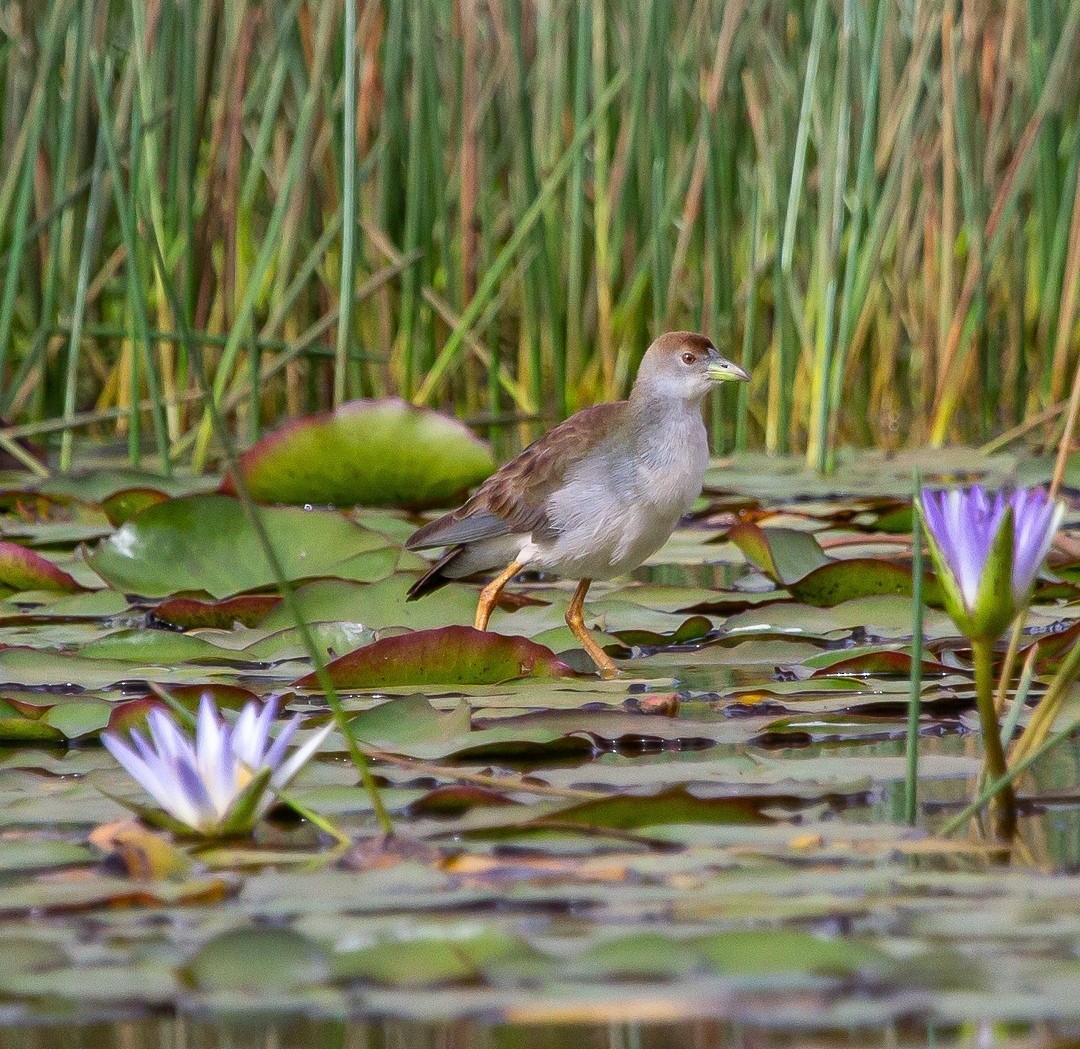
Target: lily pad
(22, 569)
(205, 543)
(795, 561)
(452, 655)
(123, 505)
(259, 961)
(783, 554)
(372, 453)
(189, 612)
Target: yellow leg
(490, 594)
(575, 620)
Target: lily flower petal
(285, 773)
(199, 782)
(987, 572)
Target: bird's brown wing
(514, 498)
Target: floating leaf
(426, 960)
(783, 554)
(843, 580)
(123, 505)
(206, 543)
(795, 561)
(79, 717)
(189, 612)
(261, 961)
(453, 655)
(373, 453)
(22, 569)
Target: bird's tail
(435, 578)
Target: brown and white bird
(595, 496)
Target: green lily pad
(452, 655)
(842, 580)
(258, 960)
(427, 959)
(123, 505)
(783, 554)
(79, 717)
(206, 543)
(372, 453)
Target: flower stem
(994, 754)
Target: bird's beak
(720, 369)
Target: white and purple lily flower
(988, 550)
(199, 782)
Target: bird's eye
(689, 358)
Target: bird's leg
(490, 594)
(575, 620)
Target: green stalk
(1020, 698)
(833, 213)
(348, 210)
(993, 752)
(19, 238)
(75, 64)
(71, 377)
(415, 206)
(1003, 784)
(545, 283)
(911, 781)
(141, 337)
(742, 415)
(802, 136)
(575, 264)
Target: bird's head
(684, 365)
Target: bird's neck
(658, 423)
(658, 408)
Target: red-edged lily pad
(795, 561)
(189, 612)
(369, 453)
(886, 662)
(22, 569)
(452, 655)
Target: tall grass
(492, 205)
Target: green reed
(874, 205)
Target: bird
(593, 497)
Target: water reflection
(182, 1033)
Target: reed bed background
(492, 205)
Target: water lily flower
(219, 782)
(988, 550)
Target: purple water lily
(988, 550)
(964, 525)
(199, 782)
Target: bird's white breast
(621, 504)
